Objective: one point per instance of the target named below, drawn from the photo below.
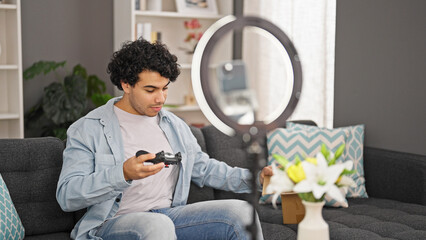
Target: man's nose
(161, 97)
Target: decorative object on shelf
(197, 6)
(194, 35)
(154, 5)
(63, 101)
(312, 179)
(313, 225)
(190, 99)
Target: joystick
(165, 157)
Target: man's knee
(241, 213)
(160, 227)
(139, 226)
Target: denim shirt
(92, 172)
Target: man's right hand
(134, 168)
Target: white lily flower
(278, 184)
(348, 165)
(346, 181)
(321, 179)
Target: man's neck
(124, 105)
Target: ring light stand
(204, 95)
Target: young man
(129, 198)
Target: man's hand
(266, 171)
(134, 168)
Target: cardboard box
(292, 207)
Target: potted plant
(64, 101)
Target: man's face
(148, 95)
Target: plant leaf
(65, 102)
(60, 133)
(41, 67)
(348, 172)
(80, 71)
(95, 86)
(325, 151)
(297, 159)
(281, 160)
(100, 99)
(338, 153)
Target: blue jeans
(220, 219)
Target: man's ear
(126, 86)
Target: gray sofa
(395, 182)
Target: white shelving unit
(171, 26)
(11, 93)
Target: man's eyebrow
(152, 86)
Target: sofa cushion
(10, 223)
(371, 218)
(196, 193)
(231, 150)
(395, 175)
(51, 236)
(354, 151)
(31, 168)
(303, 143)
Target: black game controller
(165, 157)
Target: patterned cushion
(10, 224)
(354, 152)
(289, 143)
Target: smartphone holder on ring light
(250, 133)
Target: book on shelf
(144, 30)
(140, 5)
(155, 36)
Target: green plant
(63, 101)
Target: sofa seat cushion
(52, 236)
(277, 231)
(371, 218)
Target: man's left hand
(266, 171)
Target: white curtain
(310, 24)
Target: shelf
(183, 108)
(185, 65)
(8, 116)
(8, 67)
(7, 6)
(176, 15)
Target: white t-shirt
(142, 132)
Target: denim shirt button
(117, 200)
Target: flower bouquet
(312, 178)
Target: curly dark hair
(139, 55)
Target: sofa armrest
(395, 175)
